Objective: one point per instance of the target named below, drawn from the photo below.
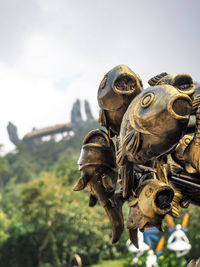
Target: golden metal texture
(99, 175)
(148, 208)
(144, 131)
(183, 82)
(175, 203)
(180, 156)
(117, 89)
(147, 126)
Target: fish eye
(147, 100)
(103, 82)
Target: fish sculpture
(182, 82)
(147, 126)
(187, 152)
(117, 89)
(152, 126)
(179, 154)
(97, 164)
(192, 151)
(150, 203)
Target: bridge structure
(52, 130)
(36, 135)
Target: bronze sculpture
(117, 89)
(151, 202)
(99, 173)
(147, 126)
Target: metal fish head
(97, 154)
(117, 89)
(152, 202)
(155, 106)
(99, 174)
(97, 159)
(154, 198)
(183, 82)
(160, 114)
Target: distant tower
(12, 132)
(88, 112)
(76, 118)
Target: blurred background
(53, 55)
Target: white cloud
(55, 51)
(28, 102)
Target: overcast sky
(55, 51)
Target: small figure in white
(179, 242)
(151, 259)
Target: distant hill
(31, 159)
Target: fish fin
(132, 142)
(102, 118)
(81, 184)
(154, 80)
(128, 177)
(120, 156)
(130, 145)
(133, 234)
(116, 218)
(195, 104)
(92, 200)
(129, 137)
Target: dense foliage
(43, 222)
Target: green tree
(44, 208)
(3, 169)
(67, 224)
(194, 232)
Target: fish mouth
(180, 107)
(185, 85)
(163, 200)
(125, 84)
